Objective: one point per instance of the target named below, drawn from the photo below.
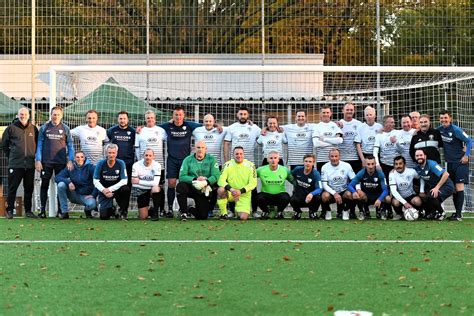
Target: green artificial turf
(235, 278)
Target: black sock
(458, 199)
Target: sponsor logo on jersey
(128, 132)
(244, 136)
(337, 179)
(271, 142)
(371, 138)
(152, 140)
(60, 131)
(327, 134)
(91, 138)
(300, 134)
(208, 137)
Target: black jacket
(19, 145)
(430, 141)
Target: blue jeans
(64, 194)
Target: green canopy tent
(109, 99)
(8, 109)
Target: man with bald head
(197, 180)
(211, 136)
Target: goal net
(266, 90)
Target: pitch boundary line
(277, 241)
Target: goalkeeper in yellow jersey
(238, 179)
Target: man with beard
(428, 139)
(300, 139)
(326, 136)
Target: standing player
(335, 176)
(300, 139)
(386, 145)
(110, 179)
(273, 140)
(415, 118)
(349, 127)
(373, 190)
(92, 137)
(124, 136)
(55, 151)
(211, 137)
(326, 136)
(401, 186)
(236, 183)
(307, 188)
(428, 139)
(435, 180)
(145, 176)
(365, 135)
(404, 140)
(273, 177)
(19, 145)
(457, 149)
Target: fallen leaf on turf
(402, 277)
(141, 278)
(415, 269)
(199, 296)
(330, 308)
(157, 294)
(248, 257)
(286, 258)
(269, 270)
(22, 264)
(275, 292)
(83, 253)
(426, 259)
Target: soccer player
(326, 136)
(335, 176)
(153, 137)
(457, 149)
(428, 139)
(92, 137)
(386, 145)
(300, 139)
(19, 142)
(273, 140)
(373, 189)
(273, 192)
(145, 176)
(77, 186)
(435, 180)
(307, 188)
(197, 180)
(365, 135)
(179, 134)
(415, 118)
(404, 140)
(211, 136)
(401, 186)
(123, 135)
(55, 151)
(110, 178)
(236, 183)
(349, 127)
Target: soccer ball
(411, 214)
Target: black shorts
(458, 172)
(172, 167)
(143, 198)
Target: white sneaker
(230, 214)
(397, 217)
(256, 215)
(361, 216)
(345, 215)
(328, 216)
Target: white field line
(234, 241)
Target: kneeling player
(236, 183)
(273, 177)
(307, 188)
(401, 187)
(335, 176)
(373, 189)
(146, 181)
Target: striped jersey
(365, 136)
(349, 132)
(92, 140)
(213, 140)
(148, 176)
(300, 142)
(401, 184)
(325, 138)
(272, 141)
(151, 137)
(244, 135)
(335, 179)
(386, 149)
(403, 144)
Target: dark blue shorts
(172, 167)
(458, 172)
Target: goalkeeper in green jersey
(236, 183)
(273, 192)
(197, 180)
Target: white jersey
(403, 144)
(153, 138)
(401, 184)
(92, 140)
(149, 176)
(336, 178)
(272, 141)
(348, 148)
(300, 142)
(325, 138)
(365, 136)
(385, 148)
(244, 135)
(213, 140)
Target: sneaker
(264, 215)
(88, 214)
(430, 216)
(397, 217)
(154, 218)
(30, 215)
(124, 217)
(378, 213)
(280, 215)
(361, 216)
(183, 217)
(345, 215)
(230, 214)
(169, 214)
(210, 214)
(223, 217)
(64, 216)
(297, 216)
(352, 215)
(9, 214)
(312, 216)
(42, 214)
(256, 215)
(383, 215)
(455, 217)
(440, 216)
(328, 216)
